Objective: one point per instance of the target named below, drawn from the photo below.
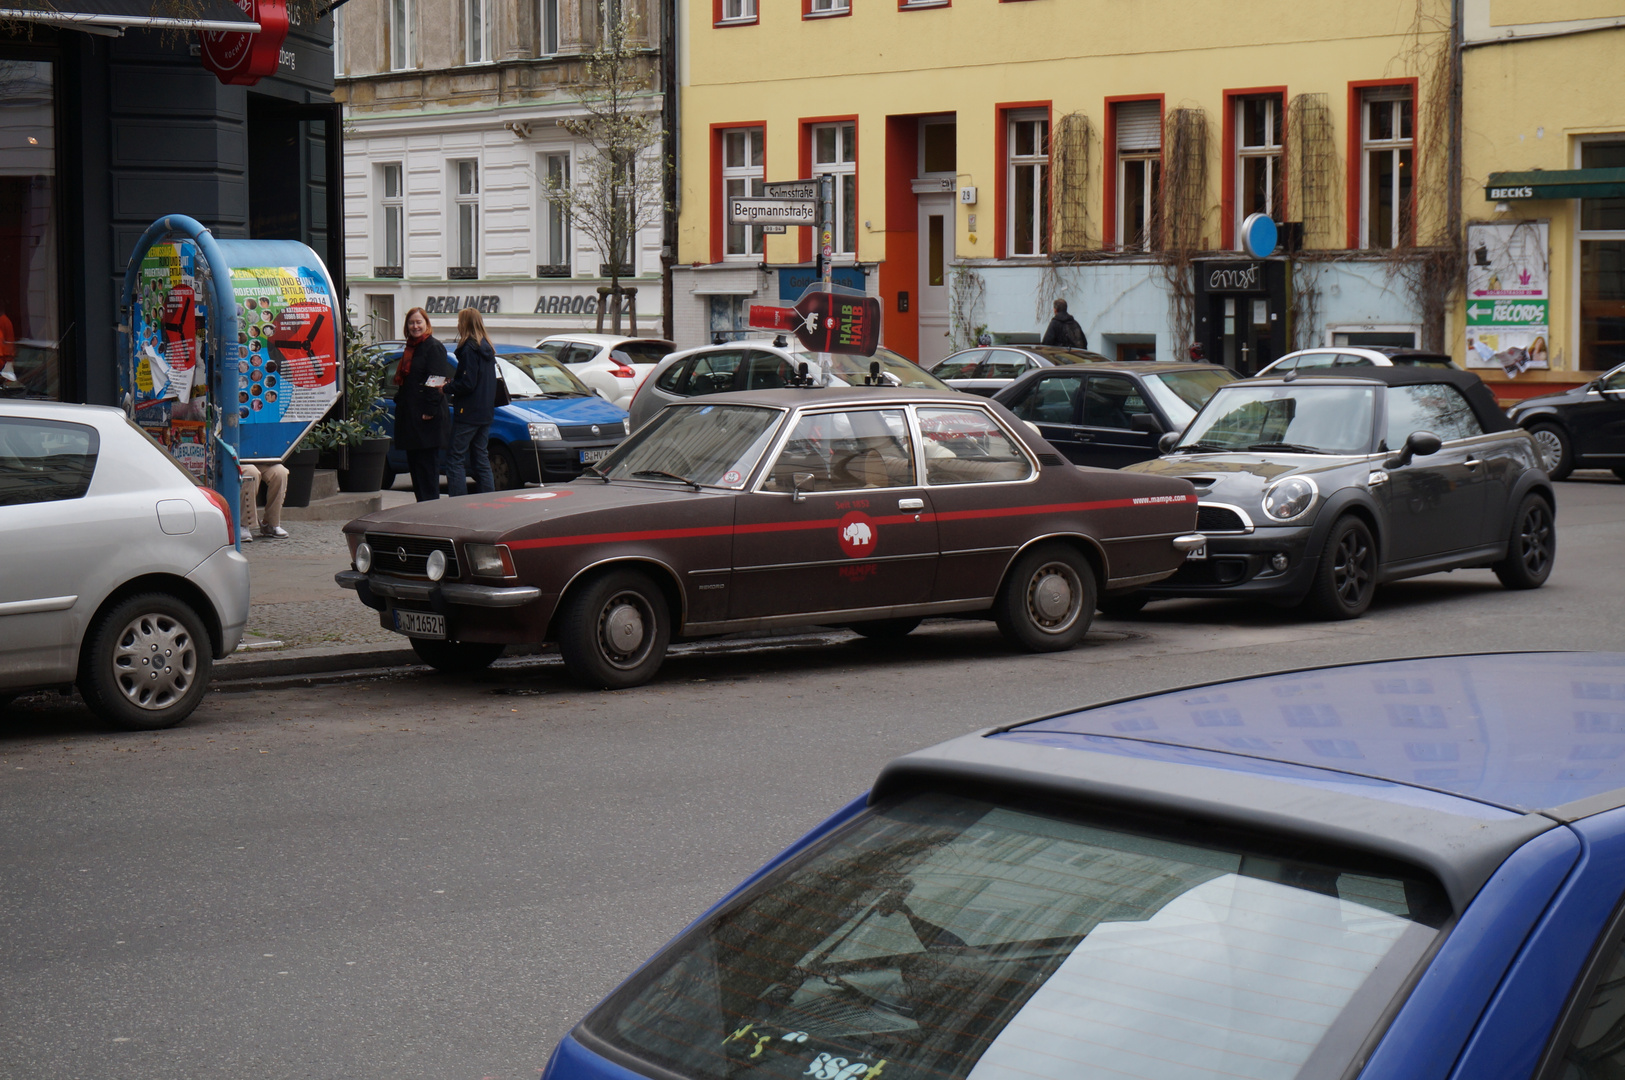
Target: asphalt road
(407, 875)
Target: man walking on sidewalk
(1064, 330)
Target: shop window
(625, 225)
(835, 151)
(1602, 266)
(555, 172)
(816, 8)
(1387, 152)
(736, 11)
(465, 221)
(1260, 179)
(1139, 173)
(476, 32)
(1028, 183)
(391, 221)
(741, 175)
(547, 24)
(30, 321)
(401, 35)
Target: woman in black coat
(422, 422)
(473, 395)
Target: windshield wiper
(1201, 447)
(1292, 446)
(593, 469)
(663, 474)
(563, 393)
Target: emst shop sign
(1242, 277)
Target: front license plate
(1196, 553)
(589, 457)
(424, 624)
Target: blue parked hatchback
(555, 426)
(1408, 869)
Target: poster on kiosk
(232, 349)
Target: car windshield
(646, 352)
(852, 369)
(1182, 393)
(1303, 417)
(714, 445)
(535, 374)
(943, 937)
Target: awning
(1556, 184)
(103, 15)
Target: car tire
(1346, 578)
(614, 630)
(119, 673)
(457, 657)
(504, 468)
(885, 629)
(1048, 599)
(1556, 452)
(1124, 605)
(1531, 547)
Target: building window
(1602, 266)
(555, 217)
(1139, 173)
(476, 32)
(338, 43)
(736, 11)
(835, 151)
(391, 221)
(741, 175)
(815, 8)
(626, 181)
(610, 16)
(1260, 183)
(381, 316)
(1387, 151)
(465, 220)
(30, 319)
(1028, 180)
(400, 35)
(547, 22)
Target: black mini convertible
(1314, 489)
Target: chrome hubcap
(1053, 597)
(1551, 448)
(154, 661)
(624, 630)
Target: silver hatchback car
(118, 571)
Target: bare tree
(617, 190)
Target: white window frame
(476, 32)
(821, 8)
(338, 42)
(738, 11)
(553, 225)
(547, 27)
(387, 203)
(401, 33)
(1577, 256)
(1394, 148)
(1272, 154)
(1039, 180)
(844, 168)
(750, 178)
(1148, 162)
(464, 174)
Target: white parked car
(118, 571)
(614, 366)
(1350, 356)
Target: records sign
(1508, 303)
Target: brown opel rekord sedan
(864, 507)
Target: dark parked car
(1317, 488)
(872, 507)
(1583, 428)
(1398, 871)
(986, 371)
(1111, 415)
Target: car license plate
(424, 624)
(588, 457)
(1196, 553)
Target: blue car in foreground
(1406, 869)
(555, 426)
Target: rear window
(646, 352)
(946, 937)
(45, 460)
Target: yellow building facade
(990, 157)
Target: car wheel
(387, 481)
(615, 630)
(504, 468)
(1556, 455)
(456, 657)
(1124, 605)
(1346, 579)
(145, 663)
(885, 629)
(1048, 599)
(1532, 547)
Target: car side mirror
(1418, 444)
(797, 482)
(1166, 444)
(1144, 421)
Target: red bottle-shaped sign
(838, 323)
(244, 59)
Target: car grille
(1218, 519)
(585, 431)
(1211, 572)
(407, 555)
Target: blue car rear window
(947, 937)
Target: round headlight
(436, 566)
(1286, 499)
(363, 556)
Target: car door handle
(1473, 463)
(911, 504)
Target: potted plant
(358, 440)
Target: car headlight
(1286, 499)
(363, 556)
(544, 432)
(490, 560)
(436, 565)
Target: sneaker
(244, 536)
(274, 532)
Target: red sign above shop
(244, 59)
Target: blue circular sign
(1258, 235)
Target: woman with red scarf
(422, 421)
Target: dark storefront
(101, 134)
(1242, 311)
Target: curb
(326, 659)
